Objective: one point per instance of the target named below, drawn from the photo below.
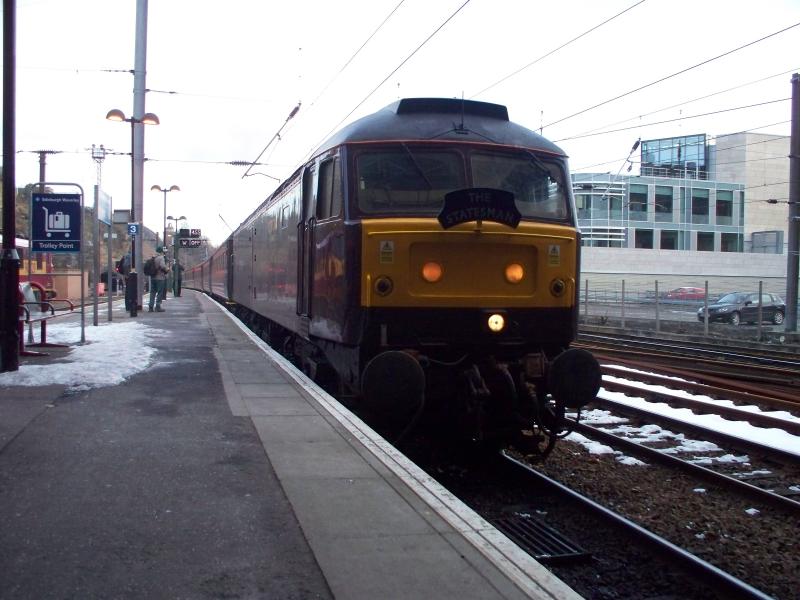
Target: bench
(33, 309)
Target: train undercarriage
(519, 401)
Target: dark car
(743, 306)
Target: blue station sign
(56, 222)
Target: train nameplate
(479, 204)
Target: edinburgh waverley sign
(56, 222)
(479, 204)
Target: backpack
(150, 266)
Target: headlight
(432, 272)
(496, 323)
(514, 273)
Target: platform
(218, 470)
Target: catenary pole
(794, 210)
(9, 262)
(139, 83)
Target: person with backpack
(156, 267)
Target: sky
(223, 78)
(117, 350)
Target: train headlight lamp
(383, 285)
(514, 273)
(558, 287)
(432, 272)
(496, 323)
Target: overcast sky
(239, 67)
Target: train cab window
(538, 186)
(329, 195)
(407, 179)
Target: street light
(148, 119)
(175, 231)
(158, 188)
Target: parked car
(743, 306)
(686, 293)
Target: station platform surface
(218, 470)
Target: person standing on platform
(158, 281)
(177, 278)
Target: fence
(672, 304)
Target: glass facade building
(659, 212)
(685, 157)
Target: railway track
(779, 369)
(724, 583)
(699, 494)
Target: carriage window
(329, 198)
(407, 179)
(537, 186)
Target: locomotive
(426, 256)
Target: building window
(644, 238)
(724, 207)
(638, 202)
(669, 239)
(683, 157)
(583, 202)
(767, 242)
(616, 208)
(741, 209)
(705, 241)
(730, 242)
(664, 203)
(700, 206)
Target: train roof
(441, 119)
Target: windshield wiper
(417, 166)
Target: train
(426, 258)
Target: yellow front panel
(473, 264)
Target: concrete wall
(761, 162)
(681, 262)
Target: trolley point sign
(56, 222)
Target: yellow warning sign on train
(554, 255)
(386, 252)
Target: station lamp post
(148, 119)
(158, 188)
(175, 232)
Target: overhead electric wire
(397, 68)
(707, 139)
(692, 100)
(686, 70)
(564, 45)
(716, 112)
(360, 48)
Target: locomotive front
(469, 256)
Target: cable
(397, 68)
(686, 70)
(693, 100)
(716, 112)
(564, 45)
(360, 48)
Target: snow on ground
(112, 353)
